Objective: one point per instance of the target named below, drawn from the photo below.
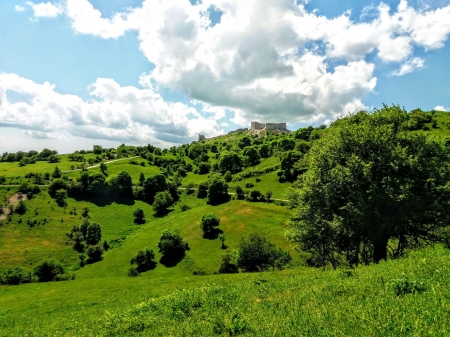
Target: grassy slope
(360, 302)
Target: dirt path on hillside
(14, 200)
(97, 165)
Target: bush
(162, 201)
(132, 272)
(21, 208)
(240, 193)
(93, 233)
(209, 225)
(202, 191)
(15, 276)
(229, 263)
(94, 253)
(255, 195)
(217, 191)
(48, 270)
(144, 260)
(139, 216)
(228, 177)
(184, 208)
(249, 185)
(257, 253)
(171, 244)
(60, 197)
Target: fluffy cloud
(267, 59)
(441, 108)
(410, 66)
(127, 114)
(42, 10)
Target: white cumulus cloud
(127, 114)
(45, 9)
(441, 108)
(410, 66)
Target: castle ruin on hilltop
(268, 126)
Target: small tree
(141, 179)
(240, 193)
(60, 197)
(48, 270)
(229, 263)
(257, 253)
(94, 254)
(162, 201)
(144, 260)
(217, 191)
(93, 234)
(222, 238)
(57, 172)
(202, 191)
(171, 244)
(139, 216)
(21, 208)
(103, 168)
(209, 225)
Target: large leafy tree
(371, 185)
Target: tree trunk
(380, 249)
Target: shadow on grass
(223, 200)
(162, 214)
(102, 200)
(213, 234)
(147, 267)
(172, 260)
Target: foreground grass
(300, 302)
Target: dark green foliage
(217, 191)
(48, 270)
(141, 179)
(98, 149)
(184, 208)
(264, 151)
(257, 253)
(14, 276)
(369, 183)
(53, 159)
(240, 193)
(93, 233)
(124, 184)
(154, 184)
(202, 191)
(290, 166)
(229, 263)
(204, 168)
(139, 216)
(21, 207)
(286, 144)
(132, 272)
(230, 161)
(94, 254)
(256, 195)
(209, 225)
(404, 286)
(60, 197)
(103, 168)
(171, 244)
(249, 185)
(144, 260)
(244, 142)
(57, 184)
(162, 201)
(57, 172)
(252, 154)
(228, 177)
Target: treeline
(30, 157)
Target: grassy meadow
(187, 296)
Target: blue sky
(74, 73)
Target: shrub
(209, 225)
(228, 177)
(93, 233)
(21, 208)
(240, 193)
(202, 191)
(48, 270)
(162, 201)
(217, 191)
(249, 185)
(139, 216)
(184, 208)
(144, 260)
(257, 253)
(171, 244)
(15, 276)
(132, 272)
(229, 263)
(255, 195)
(94, 254)
(60, 197)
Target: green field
(408, 296)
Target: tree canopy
(371, 186)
